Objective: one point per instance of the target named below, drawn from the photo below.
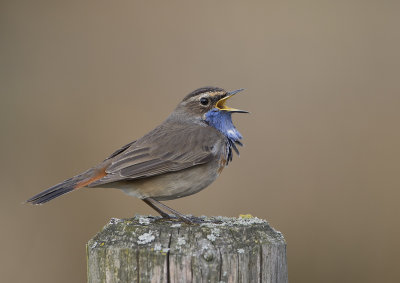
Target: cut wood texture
(221, 249)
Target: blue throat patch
(222, 121)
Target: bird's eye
(204, 101)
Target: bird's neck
(222, 121)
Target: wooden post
(149, 249)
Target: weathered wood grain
(149, 249)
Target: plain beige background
(321, 159)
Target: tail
(67, 186)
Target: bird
(180, 157)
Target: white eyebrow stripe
(204, 94)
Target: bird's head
(203, 100)
(208, 104)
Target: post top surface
(149, 231)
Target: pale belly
(171, 185)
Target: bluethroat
(180, 157)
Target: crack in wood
(220, 265)
(138, 265)
(168, 263)
(261, 264)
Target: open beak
(221, 103)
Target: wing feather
(168, 148)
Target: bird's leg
(154, 203)
(153, 206)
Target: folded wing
(163, 151)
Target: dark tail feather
(67, 186)
(53, 192)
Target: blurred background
(79, 79)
